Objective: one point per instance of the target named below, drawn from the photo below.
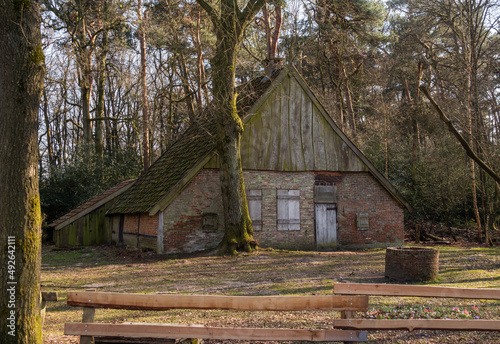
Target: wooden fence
(145, 332)
(416, 291)
(348, 298)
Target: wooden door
(326, 225)
(120, 229)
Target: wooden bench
(354, 289)
(152, 333)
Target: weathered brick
(357, 192)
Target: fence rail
(415, 290)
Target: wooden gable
(290, 131)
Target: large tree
(21, 70)
(229, 23)
(462, 58)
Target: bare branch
(460, 138)
(251, 9)
(212, 13)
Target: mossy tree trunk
(21, 82)
(229, 24)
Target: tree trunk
(229, 24)
(188, 94)
(21, 82)
(272, 33)
(86, 91)
(470, 120)
(84, 56)
(144, 89)
(50, 151)
(99, 125)
(238, 233)
(202, 87)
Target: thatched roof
(194, 145)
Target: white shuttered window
(254, 200)
(288, 210)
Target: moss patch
(37, 57)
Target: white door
(326, 225)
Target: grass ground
(266, 272)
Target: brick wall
(405, 264)
(182, 219)
(183, 230)
(269, 182)
(357, 192)
(140, 231)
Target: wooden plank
(318, 130)
(306, 134)
(261, 134)
(284, 133)
(265, 134)
(295, 115)
(246, 145)
(418, 324)
(49, 295)
(217, 333)
(274, 142)
(250, 303)
(415, 290)
(123, 340)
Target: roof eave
(181, 185)
(93, 207)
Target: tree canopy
(365, 60)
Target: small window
(210, 222)
(288, 210)
(362, 221)
(254, 200)
(325, 194)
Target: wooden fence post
(347, 315)
(88, 317)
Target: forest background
(125, 78)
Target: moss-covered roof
(183, 155)
(90, 205)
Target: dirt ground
(265, 272)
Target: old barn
(87, 224)
(308, 186)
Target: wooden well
(405, 264)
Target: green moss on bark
(37, 57)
